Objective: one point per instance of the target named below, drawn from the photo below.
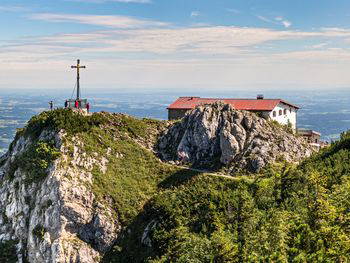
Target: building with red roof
(276, 109)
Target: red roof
(187, 103)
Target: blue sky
(167, 44)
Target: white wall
(290, 116)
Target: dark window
(274, 113)
(280, 112)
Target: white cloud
(210, 55)
(195, 42)
(98, 20)
(318, 46)
(283, 21)
(13, 8)
(279, 20)
(286, 23)
(195, 13)
(265, 19)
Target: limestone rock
(236, 139)
(57, 219)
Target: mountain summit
(91, 188)
(234, 139)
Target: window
(280, 112)
(285, 111)
(274, 113)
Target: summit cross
(78, 67)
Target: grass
(131, 179)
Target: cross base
(81, 104)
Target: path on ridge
(209, 173)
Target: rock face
(56, 218)
(217, 134)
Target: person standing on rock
(51, 105)
(88, 107)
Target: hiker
(88, 107)
(66, 104)
(76, 104)
(51, 105)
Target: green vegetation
(8, 251)
(287, 128)
(35, 161)
(285, 214)
(39, 232)
(133, 172)
(72, 122)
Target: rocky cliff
(218, 135)
(90, 188)
(46, 202)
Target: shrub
(39, 231)
(35, 161)
(8, 252)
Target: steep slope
(78, 188)
(216, 134)
(287, 213)
(69, 182)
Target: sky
(176, 44)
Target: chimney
(260, 97)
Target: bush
(35, 161)
(39, 231)
(8, 252)
(70, 121)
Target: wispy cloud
(318, 46)
(98, 20)
(279, 20)
(283, 21)
(265, 19)
(200, 42)
(286, 23)
(13, 8)
(195, 13)
(177, 56)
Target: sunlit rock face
(55, 216)
(218, 134)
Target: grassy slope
(285, 214)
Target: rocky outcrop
(54, 217)
(216, 134)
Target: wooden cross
(78, 67)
